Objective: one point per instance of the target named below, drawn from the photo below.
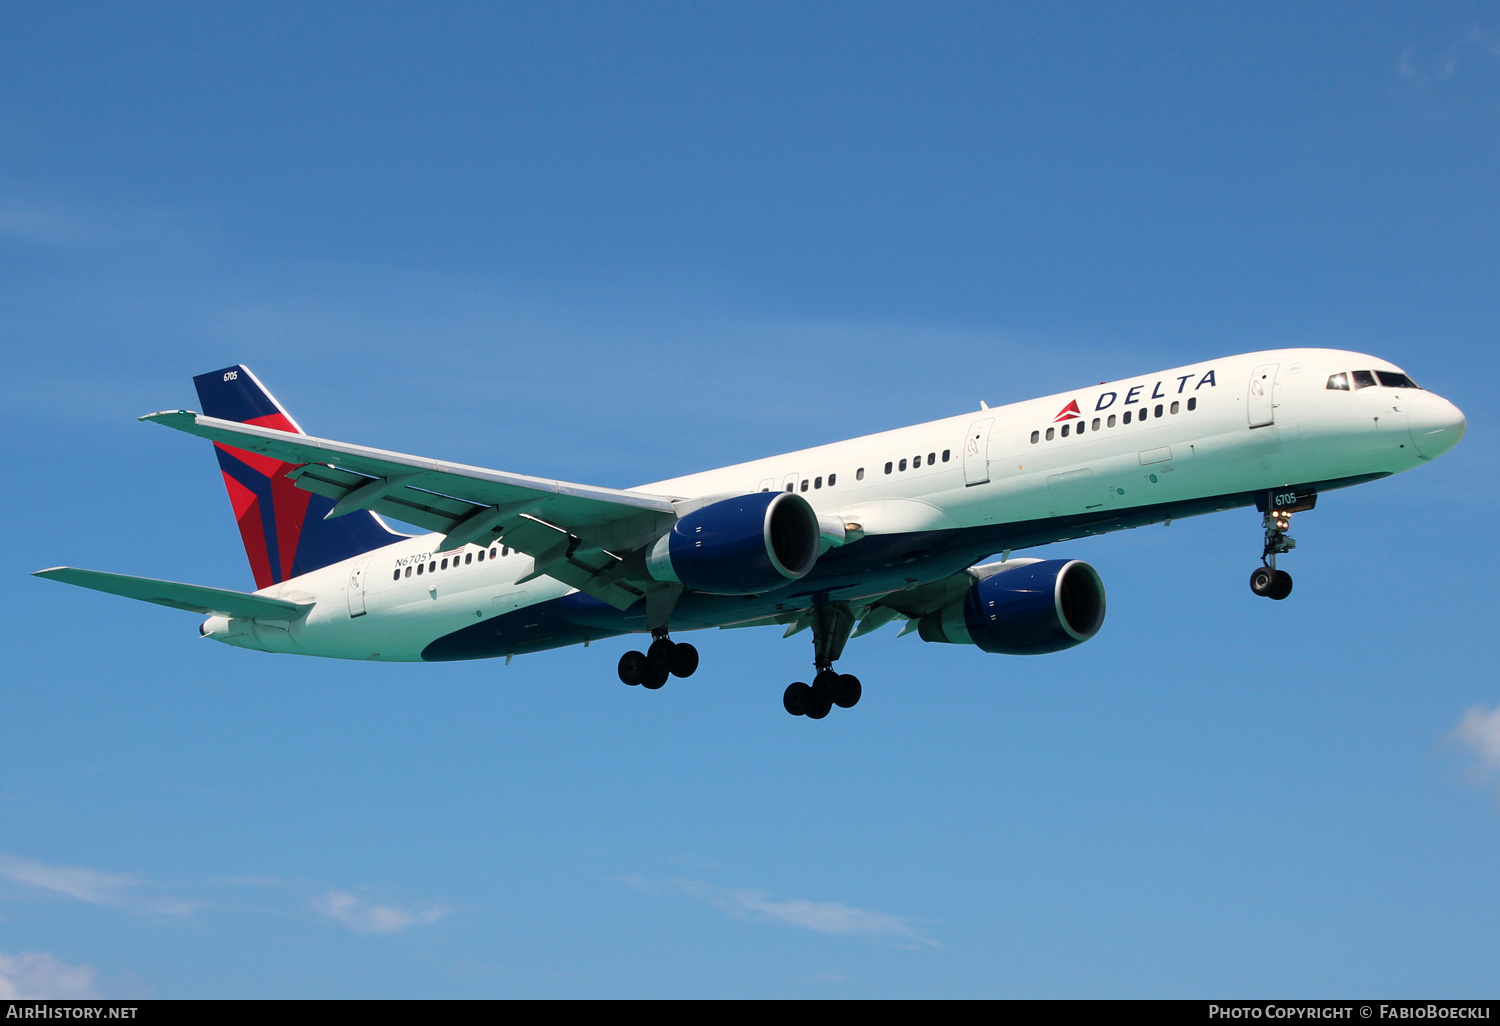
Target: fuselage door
(1260, 403)
(356, 589)
(977, 452)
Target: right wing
(573, 532)
(195, 598)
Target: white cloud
(833, 917)
(365, 916)
(113, 889)
(1478, 732)
(32, 975)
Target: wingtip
(50, 570)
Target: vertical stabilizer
(282, 526)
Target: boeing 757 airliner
(841, 539)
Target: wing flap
(195, 598)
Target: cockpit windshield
(1364, 379)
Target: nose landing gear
(1266, 580)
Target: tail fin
(282, 526)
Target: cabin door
(1260, 402)
(977, 452)
(356, 590)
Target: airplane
(841, 539)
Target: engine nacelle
(741, 546)
(1039, 607)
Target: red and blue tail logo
(282, 526)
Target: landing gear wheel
(818, 705)
(846, 691)
(1263, 581)
(654, 679)
(796, 697)
(659, 656)
(632, 668)
(684, 660)
(1281, 587)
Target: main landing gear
(1266, 580)
(831, 626)
(664, 658)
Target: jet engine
(1030, 609)
(741, 546)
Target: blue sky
(614, 243)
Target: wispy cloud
(116, 890)
(32, 975)
(832, 917)
(365, 916)
(1477, 42)
(1478, 734)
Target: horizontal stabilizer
(194, 598)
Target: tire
(1282, 587)
(818, 706)
(632, 668)
(684, 660)
(847, 691)
(659, 655)
(1262, 581)
(653, 681)
(825, 684)
(795, 699)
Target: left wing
(572, 532)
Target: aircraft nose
(1436, 424)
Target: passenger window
(791, 486)
(832, 480)
(1175, 406)
(859, 475)
(468, 558)
(432, 567)
(887, 468)
(1125, 419)
(1065, 430)
(1192, 404)
(1095, 425)
(903, 465)
(1050, 433)
(1158, 410)
(1363, 379)
(1081, 426)
(408, 571)
(481, 555)
(818, 482)
(804, 484)
(1036, 436)
(492, 553)
(1338, 382)
(397, 575)
(445, 564)
(420, 568)
(931, 458)
(916, 461)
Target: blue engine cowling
(1032, 609)
(741, 546)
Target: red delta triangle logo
(1069, 412)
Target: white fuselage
(1219, 429)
